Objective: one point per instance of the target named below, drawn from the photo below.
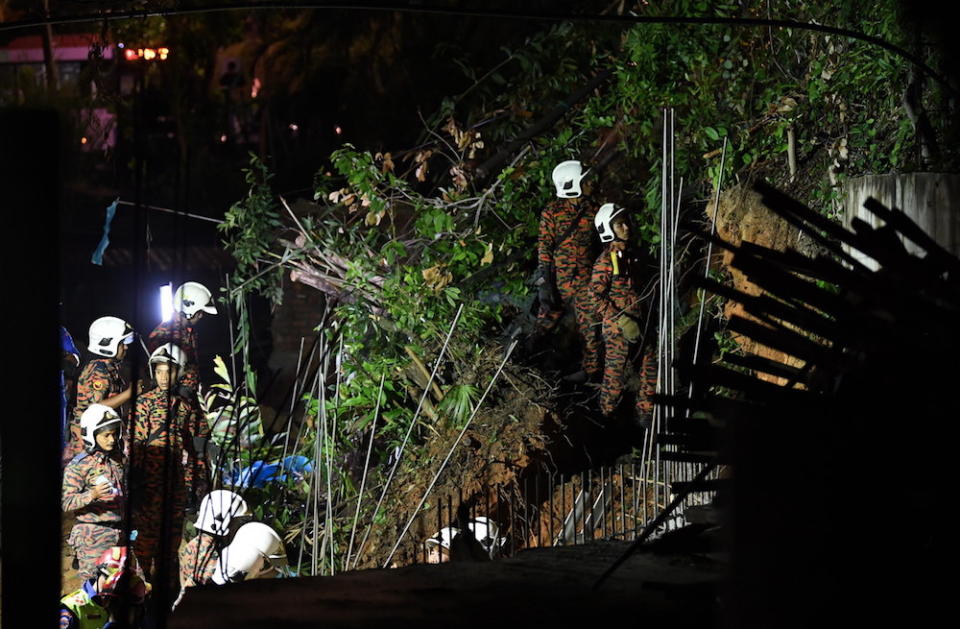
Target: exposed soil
(743, 217)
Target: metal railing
(545, 509)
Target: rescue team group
(148, 476)
(165, 452)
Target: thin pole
(406, 437)
(293, 399)
(331, 444)
(450, 453)
(650, 528)
(366, 467)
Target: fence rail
(546, 509)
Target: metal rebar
(563, 505)
(539, 511)
(331, 446)
(550, 486)
(623, 506)
(463, 431)
(293, 399)
(366, 467)
(406, 437)
(650, 528)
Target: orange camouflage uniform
(99, 523)
(614, 295)
(163, 434)
(99, 380)
(570, 261)
(180, 331)
(198, 560)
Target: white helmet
(603, 220)
(484, 531)
(166, 353)
(217, 509)
(193, 297)
(106, 333)
(255, 549)
(566, 177)
(97, 416)
(443, 537)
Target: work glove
(545, 291)
(629, 327)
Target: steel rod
(406, 437)
(463, 431)
(366, 467)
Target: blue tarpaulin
(97, 257)
(259, 473)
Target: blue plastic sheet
(260, 473)
(97, 257)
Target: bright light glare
(166, 302)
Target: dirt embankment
(742, 217)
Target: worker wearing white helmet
(217, 517)
(191, 301)
(255, 552)
(93, 487)
(164, 431)
(616, 300)
(563, 253)
(100, 380)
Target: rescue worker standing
(564, 262)
(616, 301)
(162, 431)
(100, 381)
(190, 302)
(93, 488)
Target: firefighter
(111, 599)
(93, 488)
(256, 552)
(191, 301)
(563, 253)
(616, 301)
(100, 381)
(217, 517)
(161, 450)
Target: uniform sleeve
(600, 286)
(75, 495)
(547, 235)
(159, 336)
(93, 385)
(141, 419)
(190, 376)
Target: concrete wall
(928, 199)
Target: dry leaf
(787, 104)
(437, 277)
(373, 218)
(488, 256)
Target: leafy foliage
(400, 241)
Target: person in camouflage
(563, 253)
(162, 433)
(220, 514)
(93, 488)
(190, 302)
(615, 301)
(100, 381)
